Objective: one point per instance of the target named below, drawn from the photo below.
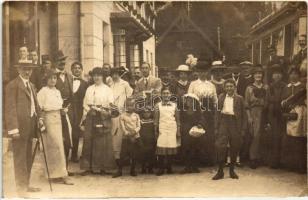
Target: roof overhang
(133, 24)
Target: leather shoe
(233, 175)
(219, 175)
(160, 172)
(33, 189)
(195, 170)
(117, 174)
(70, 173)
(85, 173)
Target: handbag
(196, 131)
(290, 116)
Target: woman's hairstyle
(229, 80)
(196, 103)
(97, 71)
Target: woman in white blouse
(121, 91)
(97, 154)
(50, 101)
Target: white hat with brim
(25, 64)
(183, 68)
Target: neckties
(146, 83)
(77, 79)
(28, 88)
(32, 99)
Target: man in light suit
(22, 117)
(147, 83)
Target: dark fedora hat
(45, 58)
(257, 68)
(276, 68)
(60, 55)
(202, 66)
(25, 64)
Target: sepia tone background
(127, 33)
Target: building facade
(281, 28)
(119, 33)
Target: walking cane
(45, 159)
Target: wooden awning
(133, 25)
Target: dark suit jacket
(69, 78)
(18, 107)
(239, 111)
(76, 109)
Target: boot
(119, 171)
(169, 165)
(132, 168)
(253, 164)
(220, 172)
(160, 166)
(232, 173)
(143, 169)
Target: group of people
(195, 117)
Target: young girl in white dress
(167, 129)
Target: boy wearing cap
(229, 127)
(22, 114)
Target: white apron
(167, 126)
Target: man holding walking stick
(21, 117)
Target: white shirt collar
(206, 81)
(295, 84)
(183, 82)
(25, 81)
(59, 71)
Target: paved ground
(260, 182)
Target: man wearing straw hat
(22, 117)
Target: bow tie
(61, 73)
(77, 79)
(166, 104)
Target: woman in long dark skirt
(97, 152)
(191, 116)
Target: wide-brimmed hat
(25, 64)
(276, 68)
(45, 58)
(183, 68)
(60, 56)
(246, 63)
(257, 68)
(234, 69)
(202, 66)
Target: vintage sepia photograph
(132, 99)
